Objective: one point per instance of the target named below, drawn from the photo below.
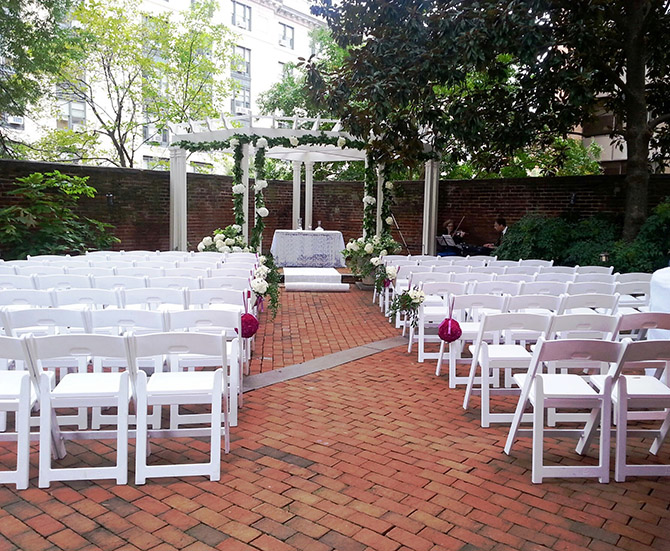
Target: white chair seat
(639, 386)
(503, 352)
(11, 386)
(178, 384)
(560, 386)
(94, 385)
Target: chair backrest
(642, 288)
(583, 326)
(555, 288)
(9, 281)
(175, 282)
(62, 281)
(187, 271)
(94, 298)
(514, 321)
(537, 301)
(393, 258)
(594, 269)
(517, 278)
(637, 353)
(498, 270)
(591, 287)
(606, 303)
(633, 276)
(90, 271)
(537, 263)
(226, 319)
(33, 268)
(119, 282)
(450, 269)
(162, 264)
(212, 297)
(240, 256)
(227, 271)
(472, 277)
(469, 261)
(7, 270)
(419, 279)
(602, 278)
(569, 270)
(30, 298)
(44, 320)
(12, 349)
(117, 321)
(550, 276)
(404, 272)
(151, 298)
(521, 270)
(419, 257)
(506, 263)
(238, 283)
(443, 288)
(473, 306)
(497, 288)
(139, 271)
(643, 321)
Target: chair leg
(439, 359)
(471, 376)
(215, 432)
(141, 448)
(485, 393)
(122, 432)
(538, 432)
(23, 436)
(45, 434)
(605, 424)
(621, 431)
(662, 434)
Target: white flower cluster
(341, 141)
(262, 212)
(375, 260)
(233, 142)
(237, 228)
(262, 259)
(238, 188)
(391, 272)
(261, 272)
(416, 295)
(259, 285)
(226, 241)
(389, 185)
(293, 141)
(260, 185)
(389, 220)
(369, 248)
(261, 143)
(352, 246)
(369, 200)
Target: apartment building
(269, 35)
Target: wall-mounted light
(110, 200)
(604, 257)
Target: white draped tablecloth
(660, 299)
(318, 249)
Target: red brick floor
(376, 454)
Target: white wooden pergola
(275, 127)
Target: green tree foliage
(485, 79)
(145, 70)
(41, 218)
(33, 45)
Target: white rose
(226, 249)
(246, 249)
(220, 245)
(263, 212)
(259, 286)
(262, 259)
(361, 239)
(238, 188)
(233, 142)
(219, 237)
(354, 246)
(391, 272)
(230, 241)
(369, 248)
(261, 143)
(236, 228)
(369, 200)
(388, 185)
(375, 261)
(376, 239)
(260, 185)
(201, 246)
(237, 249)
(207, 241)
(341, 141)
(262, 272)
(389, 220)
(293, 141)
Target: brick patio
(374, 454)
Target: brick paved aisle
(376, 454)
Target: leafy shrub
(583, 241)
(42, 220)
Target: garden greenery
(582, 242)
(41, 218)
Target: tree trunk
(637, 129)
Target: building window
(242, 62)
(156, 163)
(72, 115)
(241, 16)
(15, 122)
(201, 168)
(241, 102)
(286, 34)
(153, 136)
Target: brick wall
(141, 200)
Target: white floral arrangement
(293, 141)
(364, 255)
(369, 200)
(265, 283)
(261, 143)
(260, 185)
(239, 188)
(234, 142)
(408, 303)
(262, 212)
(389, 186)
(341, 142)
(227, 240)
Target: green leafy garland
(259, 200)
(387, 199)
(238, 198)
(370, 197)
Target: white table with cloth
(660, 299)
(317, 248)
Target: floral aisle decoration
(227, 240)
(370, 197)
(238, 186)
(408, 303)
(265, 284)
(360, 253)
(384, 275)
(259, 200)
(387, 199)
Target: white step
(313, 279)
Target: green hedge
(582, 242)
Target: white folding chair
(506, 263)
(228, 320)
(138, 271)
(595, 278)
(211, 298)
(563, 270)
(451, 269)
(589, 303)
(175, 282)
(239, 283)
(62, 281)
(594, 269)
(39, 269)
(181, 388)
(17, 395)
(635, 393)
(187, 271)
(154, 298)
(26, 298)
(633, 276)
(80, 390)
(536, 263)
(506, 357)
(9, 281)
(497, 288)
(468, 310)
(92, 298)
(90, 271)
(119, 282)
(521, 270)
(227, 271)
(570, 391)
(554, 288)
(555, 278)
(633, 296)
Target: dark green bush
(582, 242)
(42, 219)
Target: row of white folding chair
(614, 387)
(113, 390)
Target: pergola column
(178, 197)
(430, 193)
(245, 182)
(380, 197)
(296, 193)
(309, 193)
